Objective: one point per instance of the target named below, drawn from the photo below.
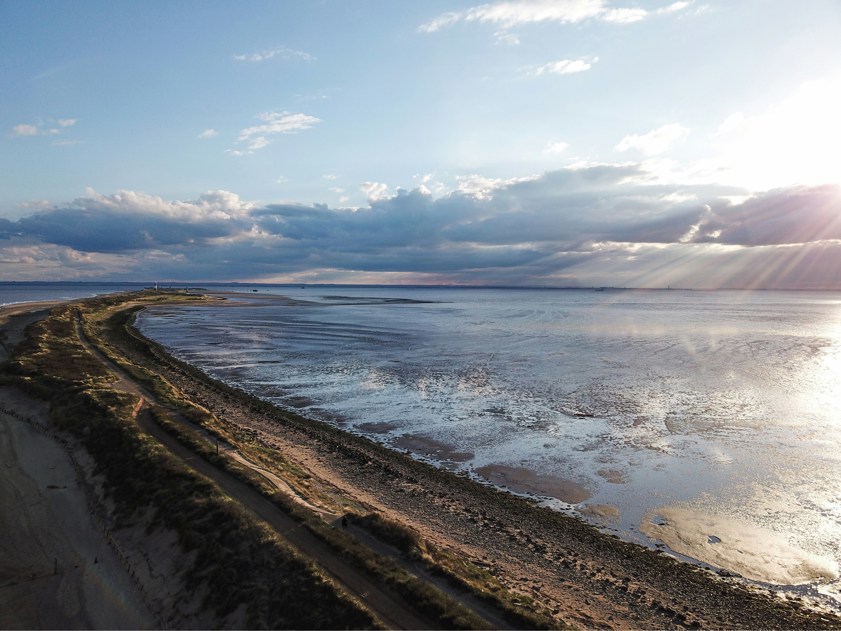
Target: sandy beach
(61, 569)
(57, 568)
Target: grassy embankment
(110, 326)
(235, 559)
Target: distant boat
(254, 290)
(598, 289)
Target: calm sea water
(11, 293)
(714, 416)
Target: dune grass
(229, 556)
(140, 475)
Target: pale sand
(57, 569)
(603, 512)
(735, 545)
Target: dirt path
(394, 611)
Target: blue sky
(528, 142)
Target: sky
(628, 143)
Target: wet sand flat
(755, 553)
(522, 480)
(431, 448)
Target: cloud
(654, 142)
(513, 13)
(374, 190)
(481, 187)
(257, 143)
(279, 123)
(128, 221)
(281, 52)
(274, 123)
(445, 19)
(675, 7)
(785, 216)
(565, 66)
(504, 38)
(25, 130)
(52, 127)
(792, 141)
(556, 147)
(624, 16)
(35, 204)
(509, 14)
(208, 133)
(592, 225)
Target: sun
(793, 142)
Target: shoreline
(564, 555)
(668, 529)
(578, 573)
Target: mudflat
(584, 577)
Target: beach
(559, 564)
(57, 567)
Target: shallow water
(692, 410)
(17, 292)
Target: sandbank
(755, 553)
(523, 480)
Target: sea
(18, 292)
(706, 424)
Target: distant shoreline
(208, 286)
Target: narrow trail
(392, 610)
